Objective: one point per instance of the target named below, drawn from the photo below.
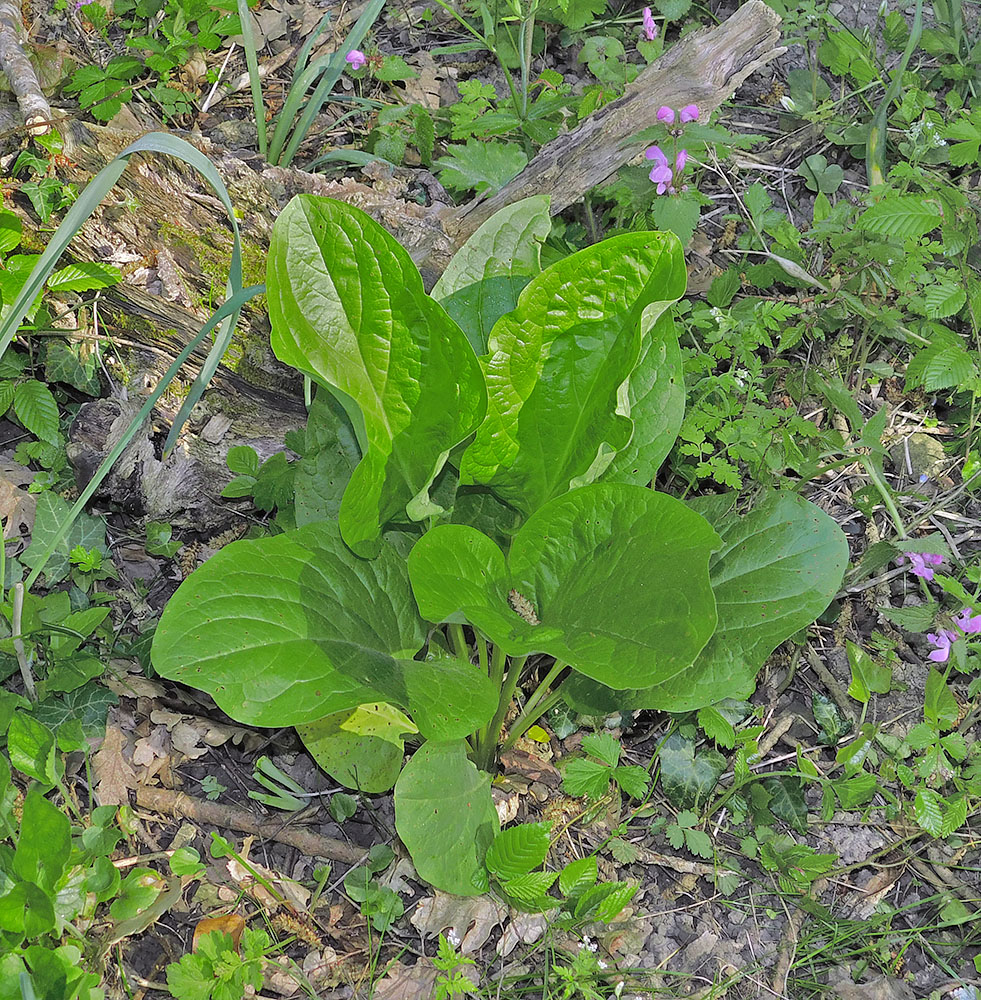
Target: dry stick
(704, 68)
(164, 800)
(19, 71)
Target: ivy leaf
(686, 777)
(787, 801)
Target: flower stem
(481, 651)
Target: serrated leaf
(532, 889)
(603, 747)
(578, 876)
(955, 816)
(676, 836)
(916, 618)
(939, 704)
(902, 216)
(83, 276)
(633, 780)
(586, 777)
(518, 850)
(700, 843)
(482, 167)
(855, 791)
(623, 851)
(37, 410)
(943, 300)
(928, 809)
(716, 727)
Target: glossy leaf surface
(555, 417)
(617, 576)
(487, 274)
(347, 306)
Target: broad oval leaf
(615, 575)
(557, 362)
(278, 630)
(778, 569)
(446, 818)
(487, 274)
(347, 306)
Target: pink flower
(661, 173)
(650, 28)
(689, 113)
(680, 161)
(920, 563)
(355, 58)
(968, 622)
(942, 641)
(665, 115)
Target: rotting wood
(19, 71)
(170, 803)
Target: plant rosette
(484, 458)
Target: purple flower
(689, 113)
(968, 622)
(650, 28)
(920, 563)
(665, 115)
(355, 59)
(660, 173)
(680, 161)
(942, 641)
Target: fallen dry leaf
(524, 928)
(114, 776)
(295, 894)
(230, 923)
(149, 748)
(424, 88)
(134, 686)
(16, 505)
(471, 918)
(413, 982)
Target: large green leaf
(284, 630)
(656, 398)
(446, 818)
(556, 363)
(275, 629)
(362, 748)
(483, 280)
(616, 576)
(778, 569)
(347, 306)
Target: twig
(834, 688)
(15, 625)
(19, 71)
(164, 800)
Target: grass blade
(255, 81)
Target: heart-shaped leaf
(348, 307)
(778, 569)
(487, 274)
(271, 627)
(610, 578)
(446, 818)
(555, 417)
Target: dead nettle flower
(967, 621)
(943, 642)
(650, 28)
(662, 174)
(355, 59)
(921, 563)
